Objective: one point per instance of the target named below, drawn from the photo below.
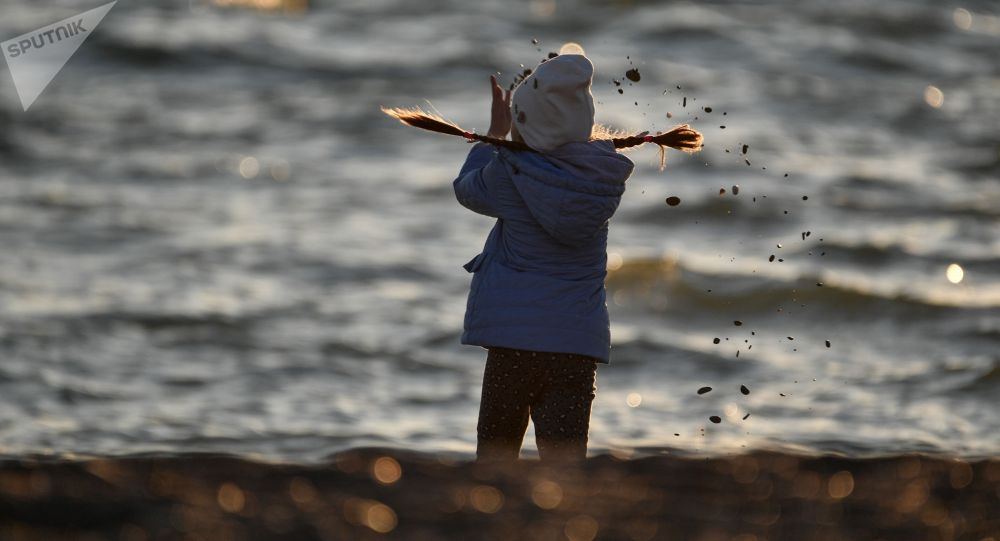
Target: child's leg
(509, 385)
(562, 412)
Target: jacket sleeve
(473, 185)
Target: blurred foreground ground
(377, 493)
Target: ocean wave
(330, 46)
(189, 329)
(892, 199)
(667, 285)
(987, 381)
(869, 254)
(759, 215)
(648, 354)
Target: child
(537, 299)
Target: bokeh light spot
(231, 499)
(381, 518)
(615, 261)
(302, 491)
(386, 470)
(249, 167)
(281, 171)
(571, 48)
(962, 18)
(633, 400)
(955, 273)
(841, 485)
(547, 494)
(581, 528)
(486, 499)
(961, 475)
(933, 96)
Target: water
(213, 240)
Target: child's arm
(472, 187)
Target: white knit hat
(553, 105)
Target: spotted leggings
(555, 389)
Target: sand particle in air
(744, 390)
(673, 200)
(704, 390)
(715, 419)
(633, 75)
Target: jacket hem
(540, 339)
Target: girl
(537, 301)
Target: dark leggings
(555, 389)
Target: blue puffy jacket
(539, 281)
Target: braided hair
(682, 137)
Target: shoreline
(372, 493)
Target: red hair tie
(647, 139)
(469, 135)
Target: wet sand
(377, 493)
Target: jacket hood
(572, 190)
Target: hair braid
(682, 137)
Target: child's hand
(500, 121)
